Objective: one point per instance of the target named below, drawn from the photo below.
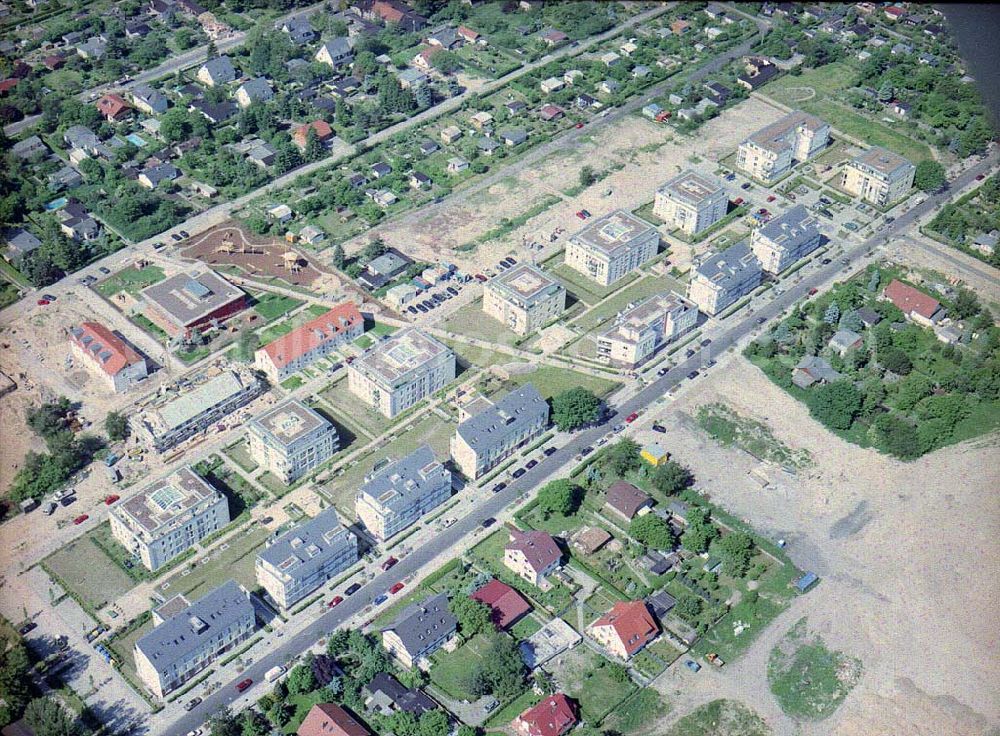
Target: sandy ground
(907, 555)
(650, 153)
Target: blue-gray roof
(302, 550)
(258, 88)
(792, 229)
(21, 241)
(424, 622)
(412, 476)
(184, 633)
(731, 266)
(221, 69)
(508, 417)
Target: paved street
(731, 336)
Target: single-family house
(609, 86)
(916, 305)
(487, 146)
(420, 180)
(18, 243)
(507, 606)
(153, 176)
(262, 154)
(844, 340)
(555, 715)
(451, 134)
(380, 169)
(470, 36)
(320, 128)
(533, 555)
(113, 108)
(446, 38)
(216, 72)
(626, 501)
(812, 369)
(411, 78)
(420, 630)
(299, 30)
(149, 100)
(280, 213)
(552, 84)
(336, 52)
(254, 90)
(513, 136)
(482, 120)
(93, 48)
(515, 107)
(549, 113)
(625, 629)
(553, 37)
(427, 147)
(30, 148)
(609, 58)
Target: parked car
(111, 499)
(511, 260)
(519, 472)
(531, 464)
(421, 308)
(437, 298)
(175, 237)
(980, 177)
(579, 125)
(184, 233)
(693, 374)
(411, 309)
(192, 704)
(581, 215)
(480, 278)
(586, 451)
(663, 371)
(692, 665)
(81, 518)
(771, 198)
(335, 601)
(706, 342)
(549, 451)
(452, 290)
(104, 270)
(30, 626)
(761, 320)
(813, 291)
(389, 563)
(738, 201)
(43, 302)
(353, 589)
(159, 244)
(243, 684)
(659, 428)
(631, 417)
(488, 522)
(826, 261)
(689, 352)
(499, 487)
(396, 588)
(50, 297)
(380, 599)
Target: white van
(274, 673)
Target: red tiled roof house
(310, 342)
(301, 134)
(916, 305)
(329, 719)
(554, 716)
(626, 501)
(506, 604)
(113, 108)
(533, 555)
(625, 629)
(107, 355)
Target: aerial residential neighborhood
(498, 367)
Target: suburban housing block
(188, 637)
(785, 239)
(691, 202)
(107, 355)
(396, 373)
(420, 630)
(532, 554)
(612, 246)
(640, 331)
(291, 439)
(310, 342)
(722, 278)
(167, 517)
(486, 439)
(625, 629)
(768, 154)
(299, 561)
(524, 299)
(396, 496)
(878, 176)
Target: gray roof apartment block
(792, 230)
(412, 476)
(306, 548)
(508, 417)
(730, 267)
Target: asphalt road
(448, 538)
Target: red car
(980, 177)
(771, 198)
(738, 201)
(335, 601)
(581, 215)
(813, 291)
(243, 684)
(389, 563)
(631, 417)
(396, 588)
(43, 302)
(579, 125)
(480, 278)
(111, 499)
(81, 518)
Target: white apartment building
(785, 239)
(721, 279)
(691, 202)
(640, 331)
(396, 496)
(612, 246)
(291, 439)
(483, 441)
(878, 176)
(187, 637)
(398, 372)
(524, 299)
(166, 518)
(768, 154)
(299, 561)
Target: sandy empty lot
(907, 555)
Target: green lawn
(271, 306)
(451, 669)
(828, 82)
(472, 355)
(472, 321)
(240, 454)
(720, 718)
(290, 384)
(638, 711)
(124, 646)
(550, 381)
(808, 680)
(131, 279)
(236, 561)
(302, 704)
(525, 628)
(513, 709)
(347, 405)
(584, 288)
(586, 676)
(88, 573)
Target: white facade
(639, 332)
(524, 299)
(612, 247)
(292, 439)
(878, 176)
(768, 154)
(691, 202)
